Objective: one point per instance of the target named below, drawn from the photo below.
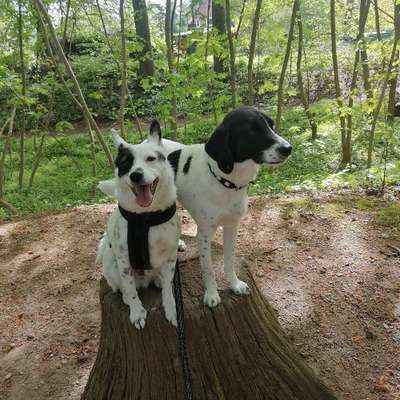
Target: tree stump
(237, 351)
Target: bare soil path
(330, 270)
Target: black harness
(138, 234)
(224, 182)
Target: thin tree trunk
(252, 51)
(64, 36)
(285, 64)
(207, 35)
(364, 11)
(377, 22)
(178, 45)
(128, 94)
(232, 72)
(23, 78)
(168, 42)
(106, 35)
(2, 129)
(300, 85)
(122, 100)
(93, 154)
(394, 77)
(42, 139)
(218, 22)
(37, 161)
(78, 90)
(146, 63)
(211, 84)
(236, 34)
(7, 146)
(364, 7)
(346, 156)
(383, 89)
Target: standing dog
(141, 239)
(212, 182)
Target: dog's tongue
(144, 196)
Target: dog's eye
(151, 158)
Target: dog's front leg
(130, 296)
(168, 300)
(204, 238)
(230, 234)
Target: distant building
(200, 16)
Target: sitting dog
(212, 181)
(141, 240)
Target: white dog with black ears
(141, 239)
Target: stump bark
(237, 351)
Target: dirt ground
(328, 268)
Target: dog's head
(139, 168)
(247, 134)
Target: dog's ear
(219, 149)
(269, 120)
(118, 141)
(155, 132)
(107, 187)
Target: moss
(297, 206)
(390, 215)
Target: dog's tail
(101, 248)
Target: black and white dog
(141, 240)
(212, 182)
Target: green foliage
(203, 97)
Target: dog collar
(225, 182)
(138, 233)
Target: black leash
(187, 375)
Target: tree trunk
(383, 89)
(81, 100)
(170, 58)
(236, 34)
(6, 148)
(232, 72)
(364, 11)
(23, 92)
(64, 36)
(393, 80)
(252, 51)
(377, 22)
(295, 9)
(218, 21)
(236, 351)
(303, 97)
(146, 63)
(346, 154)
(122, 99)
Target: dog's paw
(181, 245)
(211, 298)
(240, 287)
(138, 317)
(170, 315)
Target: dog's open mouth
(145, 193)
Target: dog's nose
(285, 149)
(137, 175)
